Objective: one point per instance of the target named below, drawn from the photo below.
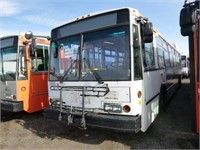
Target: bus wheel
(162, 98)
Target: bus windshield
(104, 55)
(9, 61)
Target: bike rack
(101, 92)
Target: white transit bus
(110, 70)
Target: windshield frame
(95, 73)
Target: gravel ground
(170, 130)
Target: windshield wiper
(96, 75)
(54, 74)
(66, 74)
(94, 72)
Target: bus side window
(148, 56)
(160, 52)
(171, 57)
(137, 58)
(166, 55)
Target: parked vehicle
(185, 65)
(24, 73)
(111, 70)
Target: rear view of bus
(106, 71)
(23, 73)
(185, 65)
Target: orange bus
(190, 24)
(24, 73)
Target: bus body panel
(9, 93)
(23, 92)
(8, 89)
(149, 112)
(119, 93)
(38, 99)
(152, 83)
(3, 88)
(34, 92)
(151, 86)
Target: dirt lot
(171, 129)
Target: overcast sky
(40, 16)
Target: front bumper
(11, 106)
(106, 121)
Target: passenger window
(171, 57)
(167, 60)
(160, 52)
(148, 56)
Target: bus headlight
(11, 97)
(112, 108)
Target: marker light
(14, 97)
(139, 94)
(126, 108)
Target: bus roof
(7, 37)
(135, 11)
(131, 10)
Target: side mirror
(147, 32)
(34, 44)
(33, 47)
(28, 35)
(187, 20)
